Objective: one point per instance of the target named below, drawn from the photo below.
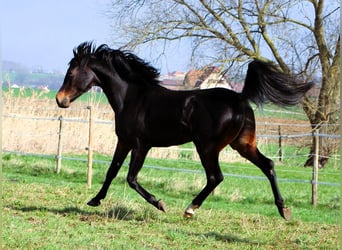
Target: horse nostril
(63, 103)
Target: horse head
(79, 78)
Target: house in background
(173, 80)
(208, 77)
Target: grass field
(43, 210)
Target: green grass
(44, 210)
(272, 111)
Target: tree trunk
(326, 115)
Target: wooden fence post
(280, 153)
(90, 148)
(59, 146)
(315, 168)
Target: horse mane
(129, 66)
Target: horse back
(164, 117)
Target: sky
(43, 33)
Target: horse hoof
(286, 213)
(161, 206)
(190, 211)
(93, 203)
(187, 215)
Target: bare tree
(302, 36)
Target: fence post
(315, 168)
(280, 144)
(90, 148)
(59, 146)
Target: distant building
(177, 75)
(44, 89)
(208, 77)
(173, 80)
(237, 86)
(15, 86)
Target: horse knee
(219, 178)
(215, 180)
(132, 182)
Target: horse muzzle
(62, 100)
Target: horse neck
(113, 87)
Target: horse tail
(265, 83)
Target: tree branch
(263, 27)
(234, 39)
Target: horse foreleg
(119, 157)
(214, 177)
(137, 160)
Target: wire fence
(54, 136)
(36, 131)
(183, 170)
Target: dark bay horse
(148, 115)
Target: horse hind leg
(246, 146)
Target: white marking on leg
(190, 210)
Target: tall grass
(22, 131)
(30, 125)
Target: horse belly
(166, 132)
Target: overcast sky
(42, 33)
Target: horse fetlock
(279, 203)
